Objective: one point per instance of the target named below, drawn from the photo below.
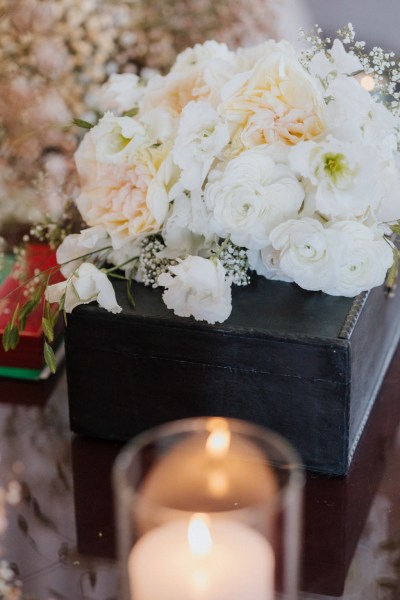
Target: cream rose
(275, 101)
(128, 198)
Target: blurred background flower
(54, 55)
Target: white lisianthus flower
(372, 122)
(361, 258)
(178, 234)
(304, 253)
(121, 92)
(198, 287)
(201, 137)
(79, 245)
(342, 176)
(116, 138)
(334, 62)
(87, 284)
(251, 196)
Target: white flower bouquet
(262, 160)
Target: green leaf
(82, 123)
(25, 311)
(14, 337)
(131, 112)
(6, 337)
(48, 329)
(49, 357)
(15, 315)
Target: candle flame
(199, 537)
(219, 440)
(368, 83)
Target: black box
(306, 365)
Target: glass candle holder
(208, 508)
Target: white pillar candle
(221, 560)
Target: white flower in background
(251, 196)
(86, 284)
(197, 287)
(361, 258)
(336, 61)
(201, 137)
(342, 175)
(276, 100)
(304, 253)
(75, 248)
(122, 92)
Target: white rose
(342, 176)
(86, 284)
(120, 92)
(201, 137)
(79, 245)
(197, 287)
(361, 258)
(304, 253)
(251, 196)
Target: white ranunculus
(121, 92)
(198, 287)
(116, 138)
(201, 137)
(338, 62)
(361, 258)
(86, 284)
(342, 176)
(265, 262)
(79, 245)
(304, 253)
(251, 196)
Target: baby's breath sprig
(383, 66)
(150, 264)
(235, 262)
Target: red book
(29, 352)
